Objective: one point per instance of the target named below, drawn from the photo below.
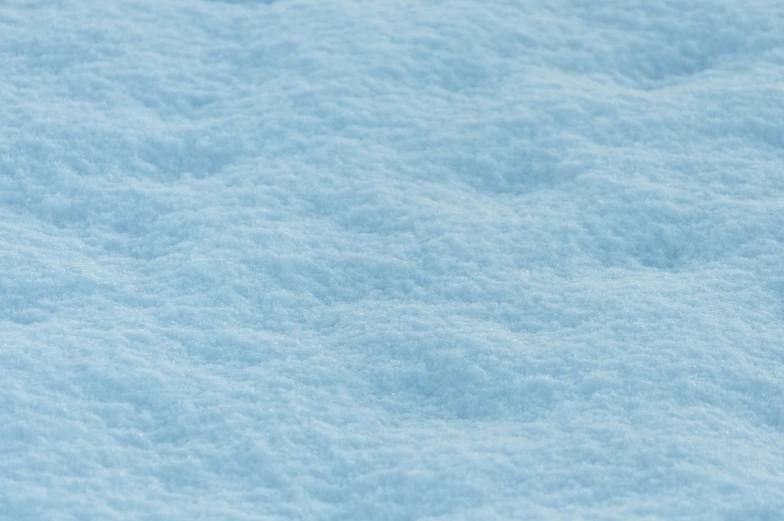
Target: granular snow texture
(392, 260)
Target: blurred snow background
(391, 260)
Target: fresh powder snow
(391, 260)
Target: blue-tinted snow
(391, 260)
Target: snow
(391, 260)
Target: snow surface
(392, 260)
